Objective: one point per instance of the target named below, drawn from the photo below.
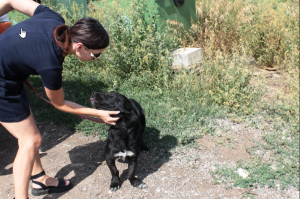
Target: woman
(37, 46)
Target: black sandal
(61, 187)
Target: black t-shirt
(33, 54)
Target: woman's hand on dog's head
(106, 116)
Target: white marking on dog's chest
(124, 154)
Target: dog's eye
(111, 95)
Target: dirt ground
(184, 172)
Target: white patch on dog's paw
(142, 186)
(114, 188)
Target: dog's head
(114, 101)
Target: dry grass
(268, 29)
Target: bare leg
(29, 140)
(27, 161)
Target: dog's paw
(114, 186)
(142, 186)
(138, 183)
(144, 148)
(145, 151)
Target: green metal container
(182, 11)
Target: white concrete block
(186, 57)
(250, 61)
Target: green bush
(137, 64)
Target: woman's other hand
(26, 7)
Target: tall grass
(269, 29)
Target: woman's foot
(48, 181)
(43, 184)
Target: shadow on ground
(157, 156)
(87, 158)
(52, 135)
(84, 161)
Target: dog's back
(140, 113)
(128, 141)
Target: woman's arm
(57, 98)
(26, 7)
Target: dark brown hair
(88, 31)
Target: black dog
(124, 138)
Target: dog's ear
(137, 107)
(128, 106)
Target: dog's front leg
(131, 169)
(115, 180)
